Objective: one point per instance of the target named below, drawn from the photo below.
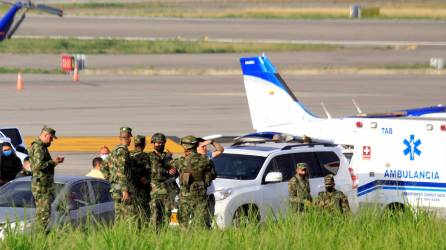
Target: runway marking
(94, 143)
(230, 40)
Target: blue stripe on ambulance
(401, 185)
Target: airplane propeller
(16, 26)
(28, 5)
(42, 7)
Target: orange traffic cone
(76, 75)
(19, 86)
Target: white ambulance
(401, 162)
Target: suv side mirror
(273, 177)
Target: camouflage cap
(140, 139)
(329, 180)
(158, 137)
(125, 130)
(189, 142)
(50, 131)
(302, 165)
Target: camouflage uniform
(299, 190)
(196, 174)
(332, 200)
(160, 204)
(42, 180)
(141, 169)
(116, 170)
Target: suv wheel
(246, 214)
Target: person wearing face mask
(104, 152)
(42, 181)
(10, 164)
(162, 172)
(332, 200)
(299, 196)
(26, 170)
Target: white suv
(255, 177)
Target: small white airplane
(275, 109)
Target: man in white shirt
(96, 171)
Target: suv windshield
(18, 194)
(240, 167)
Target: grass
(283, 9)
(417, 68)
(314, 230)
(11, 70)
(408, 66)
(174, 46)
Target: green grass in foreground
(175, 46)
(367, 230)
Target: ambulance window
(309, 158)
(283, 164)
(329, 162)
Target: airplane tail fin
(272, 104)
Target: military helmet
(301, 165)
(140, 139)
(158, 137)
(329, 180)
(189, 142)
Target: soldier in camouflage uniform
(160, 204)
(196, 174)
(116, 170)
(332, 200)
(299, 189)
(141, 177)
(42, 166)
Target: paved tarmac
(181, 105)
(363, 32)
(349, 57)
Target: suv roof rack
(246, 140)
(263, 137)
(312, 144)
(296, 142)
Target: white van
(255, 176)
(401, 162)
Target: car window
(239, 167)
(79, 193)
(18, 194)
(283, 164)
(308, 157)
(101, 192)
(329, 162)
